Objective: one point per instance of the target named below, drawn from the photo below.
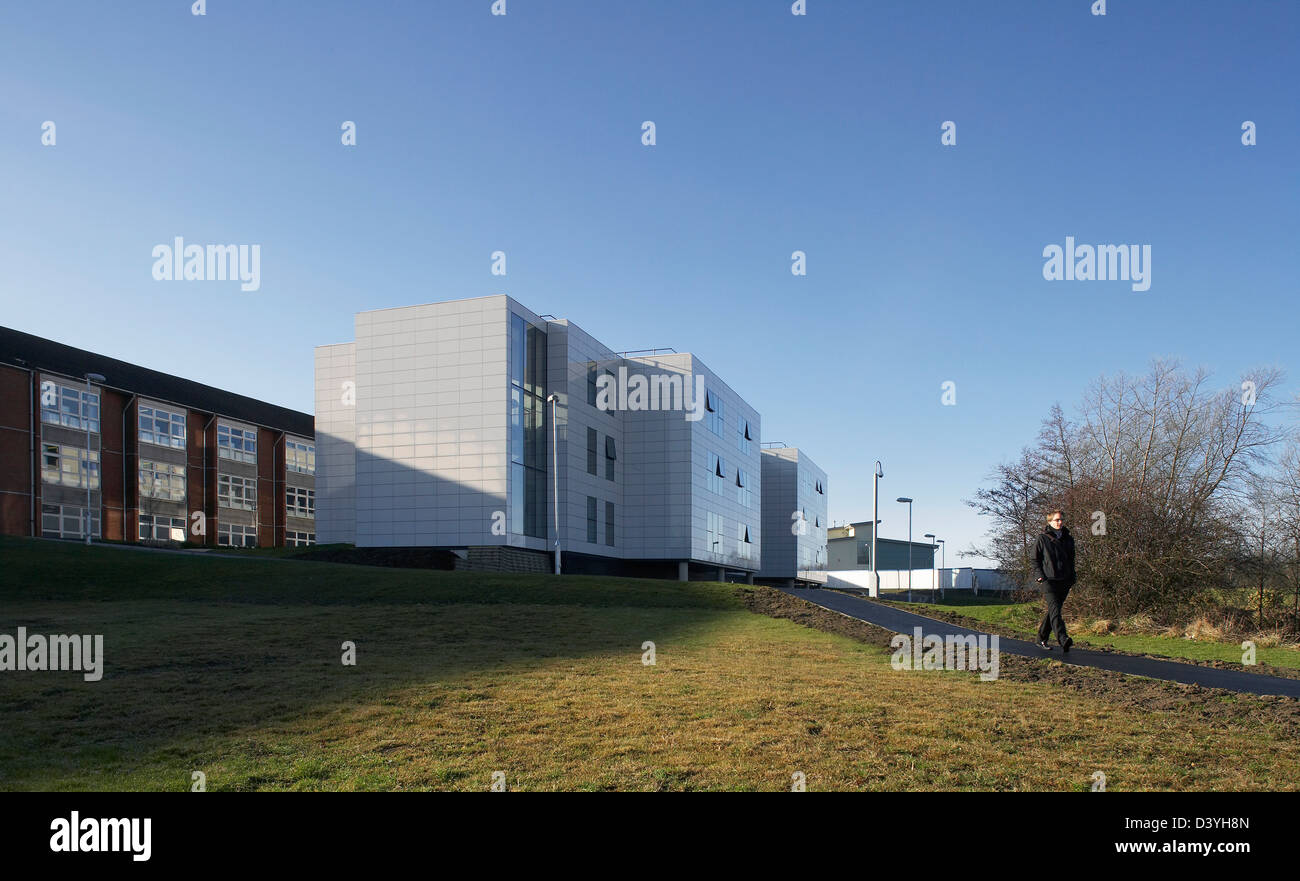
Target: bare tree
(1154, 473)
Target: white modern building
(434, 429)
(795, 497)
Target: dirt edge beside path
(1212, 705)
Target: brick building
(160, 458)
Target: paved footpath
(900, 621)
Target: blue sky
(775, 133)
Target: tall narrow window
(717, 471)
(744, 547)
(592, 439)
(713, 533)
(744, 495)
(527, 443)
(610, 456)
(715, 413)
(591, 519)
(609, 524)
(591, 383)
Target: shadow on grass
(201, 647)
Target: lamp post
(554, 400)
(875, 523)
(943, 550)
(934, 582)
(909, 545)
(85, 417)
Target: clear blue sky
(775, 133)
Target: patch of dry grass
(549, 688)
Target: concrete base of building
(788, 583)
(505, 559)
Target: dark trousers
(1055, 593)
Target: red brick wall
(15, 451)
(117, 521)
(267, 486)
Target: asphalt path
(900, 621)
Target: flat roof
(32, 352)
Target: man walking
(1054, 563)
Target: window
(300, 502)
(592, 438)
(714, 413)
(713, 533)
(591, 383)
(236, 536)
(717, 472)
(744, 547)
(527, 430)
(162, 427)
(299, 456)
(299, 539)
(609, 524)
(70, 406)
(744, 495)
(162, 480)
(744, 439)
(237, 492)
(63, 465)
(591, 520)
(236, 443)
(67, 521)
(610, 456)
(155, 527)
(820, 489)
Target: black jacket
(1054, 557)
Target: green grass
(1024, 617)
(232, 667)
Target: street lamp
(85, 417)
(909, 545)
(943, 550)
(875, 523)
(554, 400)
(934, 583)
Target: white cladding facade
(795, 505)
(446, 441)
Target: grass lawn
(1024, 617)
(232, 667)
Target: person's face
(1055, 521)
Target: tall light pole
(934, 582)
(85, 417)
(875, 523)
(554, 400)
(943, 549)
(909, 546)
